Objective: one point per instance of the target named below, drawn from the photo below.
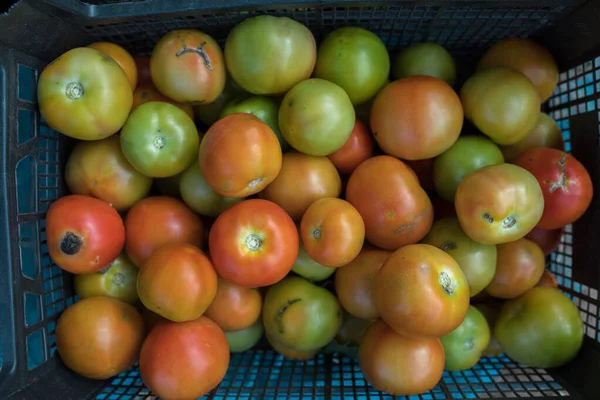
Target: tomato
(442, 208)
(122, 57)
(84, 234)
(547, 239)
(303, 180)
(169, 186)
(502, 103)
(529, 58)
(301, 315)
(332, 231)
(184, 360)
(399, 365)
(254, 243)
(423, 169)
(416, 117)
(541, 329)
(476, 260)
(548, 279)
(463, 346)
(519, 268)
(245, 339)
(159, 139)
(268, 55)
(498, 204)
(467, 155)
(99, 169)
(142, 64)
(565, 183)
(264, 108)
(352, 331)
(355, 283)
(188, 66)
(316, 117)
(99, 337)
(395, 209)
(208, 114)
(308, 268)
(84, 94)
(357, 149)
(234, 307)
(421, 291)
(117, 280)
(429, 59)
(239, 155)
(546, 133)
(490, 310)
(156, 221)
(356, 59)
(146, 93)
(288, 352)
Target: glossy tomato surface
(122, 57)
(546, 133)
(234, 307)
(429, 59)
(145, 93)
(309, 269)
(289, 352)
(548, 279)
(245, 339)
(357, 149)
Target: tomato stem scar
(118, 279)
(561, 183)
(253, 242)
(74, 90)
(198, 50)
(281, 311)
(254, 182)
(159, 142)
(447, 283)
(70, 244)
(508, 222)
(317, 233)
(447, 246)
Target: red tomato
(84, 234)
(254, 243)
(234, 307)
(184, 360)
(142, 64)
(547, 239)
(566, 185)
(156, 221)
(122, 57)
(548, 279)
(357, 149)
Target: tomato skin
(395, 209)
(309, 269)
(84, 234)
(184, 360)
(353, 329)
(399, 365)
(291, 353)
(498, 204)
(146, 93)
(208, 114)
(565, 182)
(239, 155)
(234, 307)
(99, 337)
(122, 57)
(547, 239)
(176, 221)
(402, 132)
(435, 294)
(548, 279)
(99, 169)
(429, 59)
(245, 339)
(490, 310)
(357, 149)
(546, 133)
(281, 51)
(463, 347)
(254, 243)
(188, 66)
(117, 280)
(99, 85)
(142, 64)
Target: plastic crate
(34, 291)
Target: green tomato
(159, 139)
(210, 113)
(464, 345)
(245, 339)
(467, 154)
(355, 59)
(425, 59)
(308, 268)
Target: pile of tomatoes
(323, 204)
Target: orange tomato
(122, 57)
(357, 149)
(234, 307)
(146, 92)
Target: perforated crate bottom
(266, 375)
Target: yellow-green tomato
(245, 339)
(546, 133)
(464, 345)
(308, 268)
(429, 59)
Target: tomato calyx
(448, 284)
(316, 233)
(282, 311)
(561, 183)
(198, 50)
(253, 242)
(118, 279)
(74, 90)
(71, 244)
(159, 142)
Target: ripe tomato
(423, 169)
(268, 55)
(84, 94)
(490, 310)
(254, 243)
(303, 180)
(99, 169)
(399, 365)
(547, 239)
(184, 360)
(122, 57)
(146, 93)
(332, 231)
(498, 204)
(99, 337)
(467, 155)
(421, 291)
(355, 283)
(476, 260)
(142, 64)
(308, 268)
(416, 117)
(177, 223)
(300, 315)
(357, 149)
(316, 117)
(502, 103)
(291, 353)
(546, 133)
(84, 234)
(159, 139)
(234, 307)
(245, 339)
(188, 66)
(239, 155)
(429, 59)
(395, 209)
(356, 59)
(541, 329)
(565, 182)
(527, 57)
(117, 280)
(177, 282)
(548, 279)
(520, 266)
